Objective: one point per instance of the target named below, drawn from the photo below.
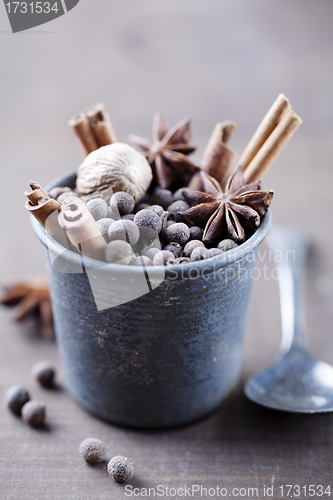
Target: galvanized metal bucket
(151, 349)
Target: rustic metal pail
(154, 348)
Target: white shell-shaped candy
(113, 168)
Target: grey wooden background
(213, 60)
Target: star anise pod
(166, 152)
(229, 214)
(27, 297)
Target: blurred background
(211, 60)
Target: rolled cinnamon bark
(81, 126)
(82, 229)
(218, 159)
(275, 114)
(272, 147)
(43, 208)
(93, 127)
(101, 125)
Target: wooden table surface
(212, 60)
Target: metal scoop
(295, 381)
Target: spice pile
(33, 413)
(159, 207)
(18, 398)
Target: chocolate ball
(92, 450)
(157, 209)
(178, 232)
(119, 252)
(120, 469)
(125, 230)
(122, 202)
(213, 252)
(164, 258)
(33, 412)
(174, 248)
(175, 207)
(149, 224)
(226, 245)
(178, 195)
(104, 224)
(15, 397)
(151, 252)
(190, 246)
(98, 208)
(196, 233)
(44, 373)
(199, 253)
(162, 197)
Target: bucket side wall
(163, 359)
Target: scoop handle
(290, 252)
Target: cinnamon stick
(43, 208)
(275, 114)
(101, 125)
(272, 147)
(82, 229)
(93, 127)
(81, 126)
(218, 159)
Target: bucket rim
(219, 261)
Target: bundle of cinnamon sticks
(93, 127)
(273, 133)
(71, 218)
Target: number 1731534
(32, 7)
(311, 490)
